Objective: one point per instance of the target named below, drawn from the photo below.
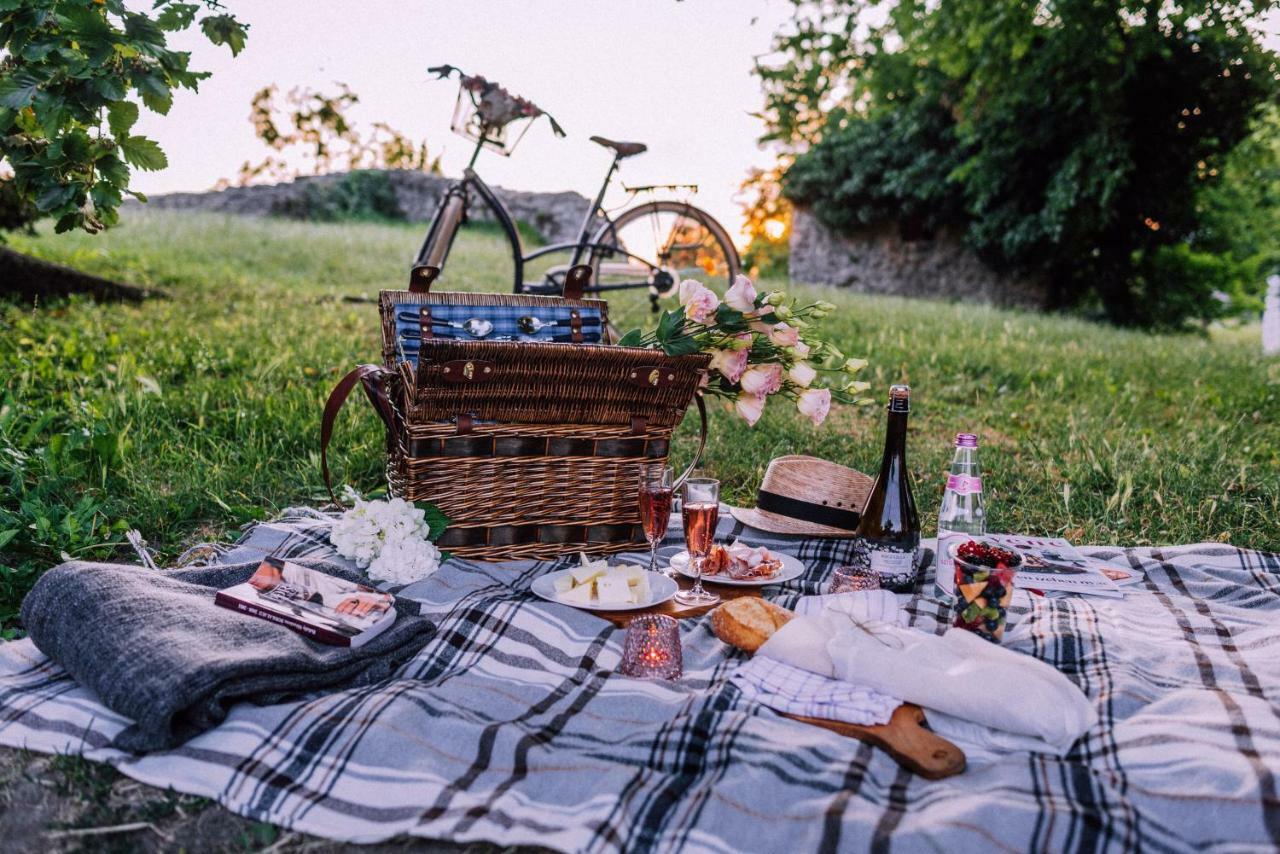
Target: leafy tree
(310, 134)
(73, 78)
(1073, 139)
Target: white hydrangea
(405, 561)
(388, 539)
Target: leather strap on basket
(372, 378)
(421, 278)
(576, 281)
(702, 442)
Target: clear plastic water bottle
(962, 515)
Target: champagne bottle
(888, 534)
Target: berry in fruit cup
(984, 587)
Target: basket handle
(576, 281)
(421, 277)
(702, 443)
(371, 377)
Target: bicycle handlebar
(443, 72)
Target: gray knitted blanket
(152, 646)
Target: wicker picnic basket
(533, 450)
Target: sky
(674, 75)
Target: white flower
(382, 533)
(741, 295)
(802, 374)
(815, 403)
(405, 561)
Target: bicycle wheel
(657, 244)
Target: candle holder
(651, 649)
(846, 579)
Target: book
(1053, 564)
(313, 604)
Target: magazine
(1053, 564)
(311, 603)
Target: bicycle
(653, 245)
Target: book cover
(313, 604)
(1053, 564)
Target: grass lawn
(188, 417)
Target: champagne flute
(655, 507)
(701, 512)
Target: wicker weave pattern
(532, 390)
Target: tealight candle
(652, 648)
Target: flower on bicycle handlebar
(699, 301)
(741, 295)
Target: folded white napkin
(798, 691)
(979, 688)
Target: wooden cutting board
(904, 737)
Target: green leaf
(18, 89)
(55, 196)
(155, 93)
(113, 169)
(7, 536)
(121, 116)
(681, 346)
(670, 325)
(177, 16)
(225, 29)
(634, 338)
(111, 88)
(436, 521)
(143, 153)
(729, 319)
(142, 29)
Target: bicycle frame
(471, 181)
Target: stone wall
(879, 261)
(555, 216)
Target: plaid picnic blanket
(511, 727)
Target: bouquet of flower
(390, 540)
(762, 346)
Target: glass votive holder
(846, 579)
(651, 649)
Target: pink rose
(762, 379)
(750, 407)
(815, 403)
(784, 336)
(699, 301)
(802, 374)
(730, 363)
(741, 295)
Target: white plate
(791, 568)
(661, 588)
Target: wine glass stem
(653, 555)
(697, 579)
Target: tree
(311, 134)
(1073, 139)
(71, 86)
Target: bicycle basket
(491, 116)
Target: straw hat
(808, 495)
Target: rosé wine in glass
(655, 507)
(701, 511)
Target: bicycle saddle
(623, 149)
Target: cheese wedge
(563, 583)
(613, 590)
(640, 593)
(580, 595)
(587, 573)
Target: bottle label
(963, 484)
(946, 560)
(895, 564)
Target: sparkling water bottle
(962, 515)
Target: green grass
(190, 416)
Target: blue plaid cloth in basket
(505, 320)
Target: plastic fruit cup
(983, 591)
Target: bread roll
(748, 622)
